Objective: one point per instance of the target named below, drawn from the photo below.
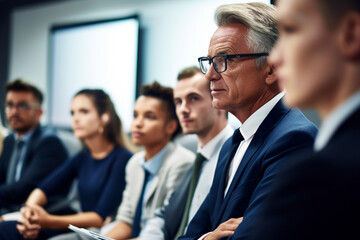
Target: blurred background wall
(174, 33)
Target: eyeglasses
(220, 61)
(21, 107)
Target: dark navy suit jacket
(44, 154)
(174, 211)
(317, 195)
(283, 132)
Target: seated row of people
(254, 172)
(100, 167)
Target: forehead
(20, 96)
(195, 84)
(83, 101)
(299, 10)
(151, 104)
(229, 39)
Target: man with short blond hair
(245, 84)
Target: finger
(226, 233)
(32, 234)
(20, 228)
(229, 225)
(24, 222)
(34, 218)
(26, 212)
(217, 234)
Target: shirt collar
(25, 138)
(335, 119)
(154, 164)
(250, 126)
(211, 147)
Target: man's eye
(287, 29)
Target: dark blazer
(45, 153)
(174, 211)
(317, 195)
(283, 132)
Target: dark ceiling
(10, 4)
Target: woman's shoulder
(79, 155)
(122, 152)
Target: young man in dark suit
(31, 152)
(318, 59)
(243, 83)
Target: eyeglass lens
(218, 61)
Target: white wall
(176, 33)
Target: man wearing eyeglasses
(31, 152)
(245, 84)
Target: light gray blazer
(177, 161)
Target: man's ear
(271, 76)
(171, 127)
(39, 113)
(349, 35)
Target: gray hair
(259, 18)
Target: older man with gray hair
(245, 84)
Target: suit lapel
(275, 115)
(153, 187)
(156, 179)
(223, 165)
(30, 146)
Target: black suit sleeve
(43, 157)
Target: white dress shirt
(211, 152)
(248, 130)
(335, 119)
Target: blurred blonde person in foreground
(318, 61)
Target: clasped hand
(224, 229)
(33, 219)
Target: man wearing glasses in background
(245, 84)
(31, 152)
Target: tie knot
(199, 159)
(19, 143)
(146, 174)
(237, 137)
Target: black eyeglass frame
(22, 107)
(211, 60)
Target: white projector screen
(93, 55)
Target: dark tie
(194, 179)
(14, 161)
(137, 218)
(236, 140)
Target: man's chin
(20, 129)
(188, 131)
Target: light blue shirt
(26, 140)
(335, 119)
(152, 166)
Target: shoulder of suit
(178, 155)
(45, 133)
(134, 160)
